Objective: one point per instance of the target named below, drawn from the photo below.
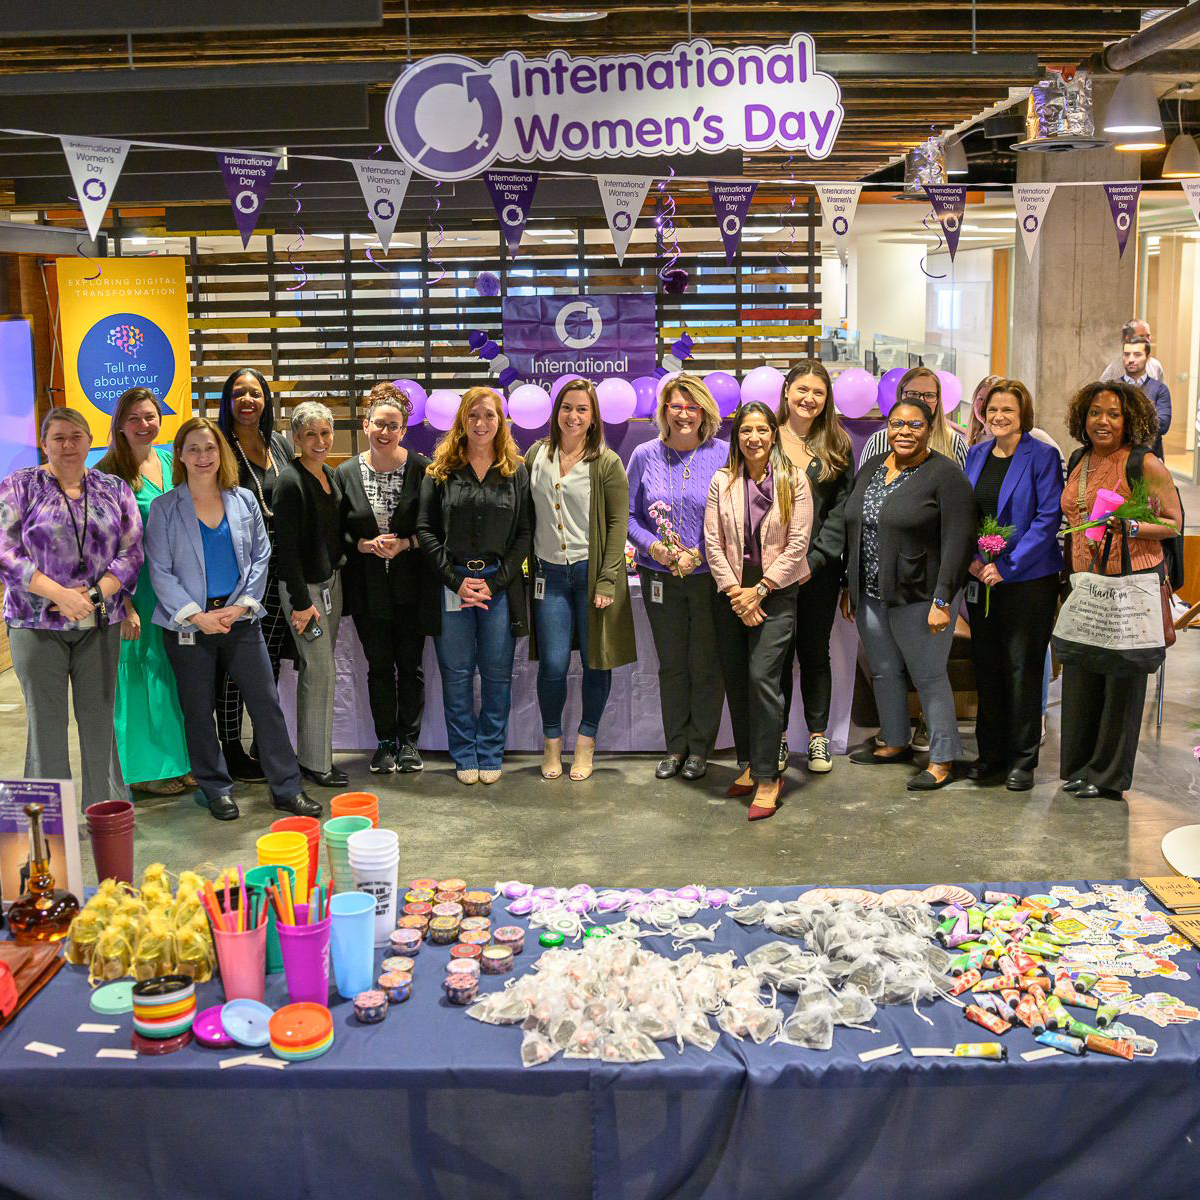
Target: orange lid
(300, 1026)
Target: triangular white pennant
(95, 165)
(838, 204)
(622, 196)
(1191, 189)
(1031, 201)
(384, 185)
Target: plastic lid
(301, 1026)
(208, 1028)
(163, 989)
(550, 937)
(160, 1045)
(114, 998)
(246, 1021)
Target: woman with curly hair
(473, 526)
(1102, 714)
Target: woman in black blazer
(910, 531)
(387, 586)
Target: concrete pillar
(1070, 302)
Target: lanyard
(80, 535)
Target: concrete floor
(854, 825)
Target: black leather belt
(215, 602)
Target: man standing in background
(1135, 357)
(1115, 369)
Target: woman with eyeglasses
(756, 534)
(813, 439)
(921, 386)
(910, 525)
(387, 586)
(669, 479)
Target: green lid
(550, 937)
(596, 931)
(114, 998)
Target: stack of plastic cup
(110, 827)
(311, 828)
(306, 958)
(352, 942)
(257, 881)
(337, 830)
(356, 804)
(374, 862)
(287, 849)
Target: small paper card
(931, 1052)
(882, 1052)
(110, 1053)
(88, 1028)
(44, 1048)
(1042, 1052)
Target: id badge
(539, 588)
(973, 591)
(187, 637)
(656, 591)
(327, 597)
(453, 601)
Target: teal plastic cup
(337, 831)
(352, 942)
(257, 879)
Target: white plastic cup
(374, 864)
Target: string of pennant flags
(95, 166)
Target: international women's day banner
(450, 117)
(596, 337)
(125, 327)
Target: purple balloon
(441, 408)
(558, 385)
(476, 338)
(885, 394)
(765, 385)
(529, 406)
(855, 392)
(661, 385)
(646, 388)
(952, 390)
(618, 400)
(725, 391)
(417, 396)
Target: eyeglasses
(680, 410)
(386, 426)
(915, 425)
(920, 397)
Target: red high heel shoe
(758, 812)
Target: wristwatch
(762, 590)
(1133, 529)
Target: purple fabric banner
(592, 336)
(731, 202)
(949, 202)
(512, 194)
(247, 180)
(1123, 206)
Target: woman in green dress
(147, 722)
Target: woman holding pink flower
(668, 489)
(1012, 597)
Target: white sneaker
(819, 758)
(784, 752)
(1042, 739)
(470, 775)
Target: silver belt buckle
(475, 564)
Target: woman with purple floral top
(668, 489)
(70, 553)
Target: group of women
(166, 586)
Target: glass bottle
(44, 913)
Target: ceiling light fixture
(1133, 108)
(568, 15)
(955, 156)
(1183, 159)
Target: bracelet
(1133, 529)
(942, 604)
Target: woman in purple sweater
(668, 489)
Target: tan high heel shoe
(581, 764)
(551, 758)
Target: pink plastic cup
(242, 958)
(1106, 501)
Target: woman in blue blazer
(207, 551)
(1018, 480)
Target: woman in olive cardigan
(580, 593)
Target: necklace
(254, 479)
(687, 466)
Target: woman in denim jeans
(473, 527)
(580, 590)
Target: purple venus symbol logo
(1030, 223)
(384, 209)
(622, 221)
(94, 189)
(840, 226)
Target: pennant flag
(838, 204)
(1191, 188)
(247, 181)
(731, 203)
(949, 202)
(512, 194)
(622, 196)
(1123, 205)
(384, 185)
(1031, 201)
(95, 165)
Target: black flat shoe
(220, 808)
(1019, 780)
(240, 765)
(334, 777)
(408, 759)
(868, 756)
(694, 768)
(926, 781)
(1089, 791)
(1072, 785)
(299, 805)
(668, 767)
(980, 770)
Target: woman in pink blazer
(756, 529)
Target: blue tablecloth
(431, 1104)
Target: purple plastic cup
(305, 951)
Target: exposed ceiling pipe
(1182, 24)
(1182, 64)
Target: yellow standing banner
(125, 327)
